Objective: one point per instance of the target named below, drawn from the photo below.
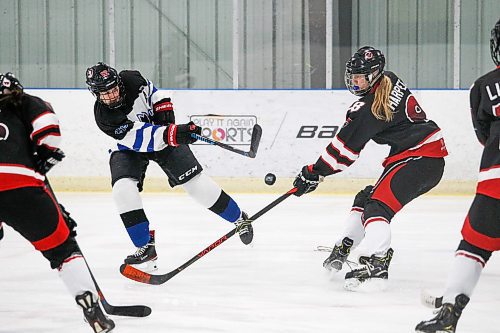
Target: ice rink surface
(278, 285)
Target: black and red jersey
(485, 111)
(24, 129)
(409, 133)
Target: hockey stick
(254, 143)
(430, 301)
(140, 276)
(123, 310)
(119, 310)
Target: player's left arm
(359, 128)
(161, 103)
(45, 134)
(480, 120)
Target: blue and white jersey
(133, 125)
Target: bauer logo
(229, 129)
(313, 131)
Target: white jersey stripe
(159, 143)
(53, 141)
(343, 150)
(488, 174)
(45, 120)
(142, 137)
(332, 162)
(20, 170)
(436, 136)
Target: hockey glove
(163, 112)
(307, 180)
(362, 196)
(180, 134)
(69, 221)
(46, 158)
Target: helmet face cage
(368, 62)
(495, 43)
(103, 78)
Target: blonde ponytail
(380, 106)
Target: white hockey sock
(203, 189)
(463, 276)
(377, 236)
(76, 276)
(353, 228)
(126, 195)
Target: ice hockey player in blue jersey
(130, 109)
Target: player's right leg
(352, 235)
(46, 229)
(481, 236)
(183, 168)
(127, 173)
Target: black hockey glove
(307, 180)
(46, 158)
(362, 196)
(181, 134)
(163, 112)
(69, 221)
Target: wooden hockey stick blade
(430, 301)
(143, 277)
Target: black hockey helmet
(10, 88)
(495, 43)
(368, 61)
(101, 78)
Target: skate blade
(148, 267)
(370, 285)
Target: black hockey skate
(375, 268)
(244, 229)
(93, 313)
(145, 256)
(446, 319)
(339, 255)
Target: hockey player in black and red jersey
(386, 113)
(130, 109)
(29, 148)
(481, 229)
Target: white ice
(278, 285)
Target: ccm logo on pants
(187, 173)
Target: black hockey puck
(270, 179)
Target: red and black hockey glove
(46, 158)
(362, 197)
(307, 180)
(163, 112)
(69, 221)
(181, 134)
